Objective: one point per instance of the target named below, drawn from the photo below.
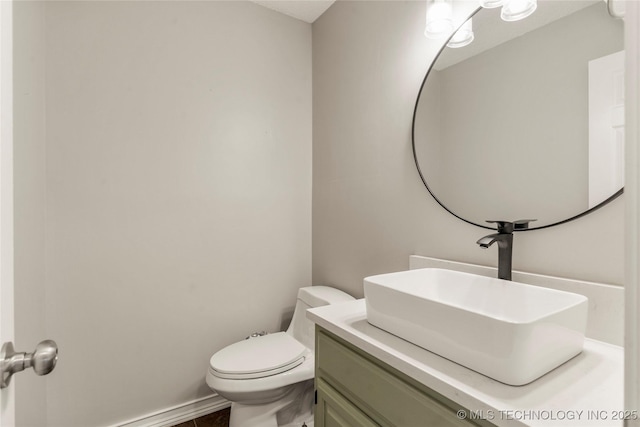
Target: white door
(632, 219)
(23, 400)
(7, 395)
(606, 127)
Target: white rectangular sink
(508, 331)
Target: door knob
(42, 360)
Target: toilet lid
(258, 357)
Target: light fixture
(514, 10)
(463, 36)
(490, 4)
(616, 9)
(439, 22)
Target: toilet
(269, 378)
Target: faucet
(504, 237)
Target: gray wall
(178, 195)
(370, 209)
(176, 184)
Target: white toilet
(269, 379)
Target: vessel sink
(508, 331)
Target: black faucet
(504, 237)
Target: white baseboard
(180, 413)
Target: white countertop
(585, 391)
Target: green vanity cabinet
(333, 410)
(354, 389)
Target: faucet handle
(508, 226)
(504, 227)
(522, 224)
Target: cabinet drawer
(333, 410)
(387, 396)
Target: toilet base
(292, 410)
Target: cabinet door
(383, 395)
(333, 410)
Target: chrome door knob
(42, 360)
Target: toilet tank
(303, 329)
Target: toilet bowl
(269, 378)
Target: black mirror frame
(424, 181)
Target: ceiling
(304, 10)
(491, 31)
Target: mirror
(528, 120)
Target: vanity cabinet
(354, 389)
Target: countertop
(585, 391)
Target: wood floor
(217, 419)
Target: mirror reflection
(528, 120)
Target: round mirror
(527, 121)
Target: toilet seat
(258, 357)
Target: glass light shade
(514, 10)
(490, 4)
(439, 22)
(463, 36)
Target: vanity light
(463, 36)
(514, 10)
(490, 4)
(439, 22)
